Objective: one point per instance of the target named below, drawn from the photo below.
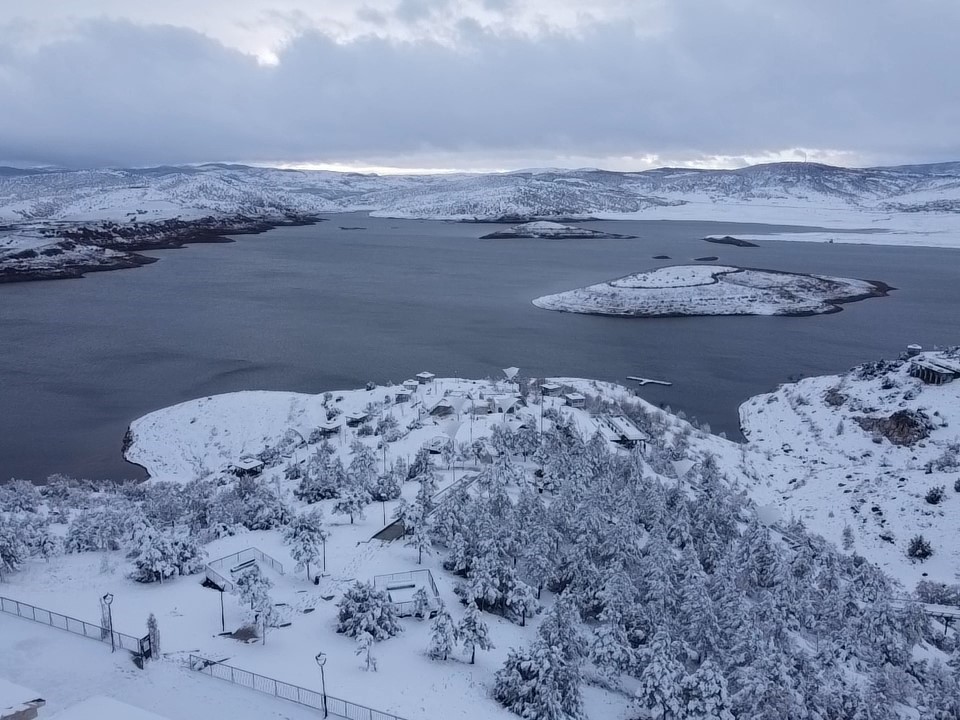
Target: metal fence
(251, 553)
(285, 691)
(418, 577)
(137, 646)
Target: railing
(407, 607)
(251, 553)
(285, 691)
(138, 646)
(219, 579)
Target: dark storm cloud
(732, 77)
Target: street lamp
(108, 601)
(321, 659)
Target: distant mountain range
(189, 192)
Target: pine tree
(421, 603)
(154, 633)
(473, 632)
(659, 689)
(306, 536)
(422, 464)
(13, 551)
(363, 466)
(421, 533)
(352, 501)
(443, 635)
(363, 608)
(252, 586)
(520, 600)
(539, 684)
(154, 555)
(365, 650)
(323, 478)
(705, 695)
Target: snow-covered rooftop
(100, 707)
(14, 696)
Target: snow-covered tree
(323, 478)
(422, 464)
(363, 608)
(386, 487)
(253, 587)
(659, 690)
(520, 600)
(362, 469)
(705, 695)
(153, 553)
(539, 684)
(153, 631)
(443, 635)
(421, 603)
(420, 539)
(353, 499)
(13, 551)
(473, 632)
(365, 650)
(306, 536)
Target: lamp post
(108, 601)
(321, 659)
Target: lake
(320, 308)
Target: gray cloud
(730, 77)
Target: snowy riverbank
(687, 290)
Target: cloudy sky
(478, 84)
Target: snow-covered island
(551, 230)
(687, 290)
(469, 549)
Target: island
(690, 290)
(553, 231)
(729, 240)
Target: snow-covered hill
(862, 450)
(164, 192)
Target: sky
(434, 85)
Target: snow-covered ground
(808, 455)
(688, 290)
(550, 231)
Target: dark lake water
(316, 308)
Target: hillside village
(552, 547)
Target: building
(328, 428)
(914, 349)
(105, 708)
(247, 466)
(504, 404)
(935, 369)
(441, 408)
(403, 395)
(626, 433)
(550, 389)
(425, 377)
(575, 400)
(357, 418)
(411, 385)
(18, 702)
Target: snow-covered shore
(688, 290)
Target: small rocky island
(690, 290)
(551, 230)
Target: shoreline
(105, 246)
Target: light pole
(108, 601)
(321, 659)
(323, 541)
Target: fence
(138, 646)
(285, 691)
(252, 553)
(417, 577)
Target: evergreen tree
(705, 695)
(473, 632)
(363, 608)
(13, 551)
(365, 650)
(659, 690)
(323, 478)
(421, 603)
(253, 587)
(538, 684)
(422, 464)
(352, 501)
(306, 536)
(363, 466)
(153, 631)
(154, 555)
(520, 600)
(443, 635)
(421, 533)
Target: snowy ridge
(185, 192)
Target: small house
(403, 395)
(357, 418)
(913, 349)
(328, 428)
(247, 466)
(425, 377)
(550, 389)
(442, 408)
(575, 400)
(411, 385)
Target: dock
(648, 381)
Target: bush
(919, 548)
(935, 494)
(956, 485)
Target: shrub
(919, 548)
(956, 485)
(362, 609)
(935, 494)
